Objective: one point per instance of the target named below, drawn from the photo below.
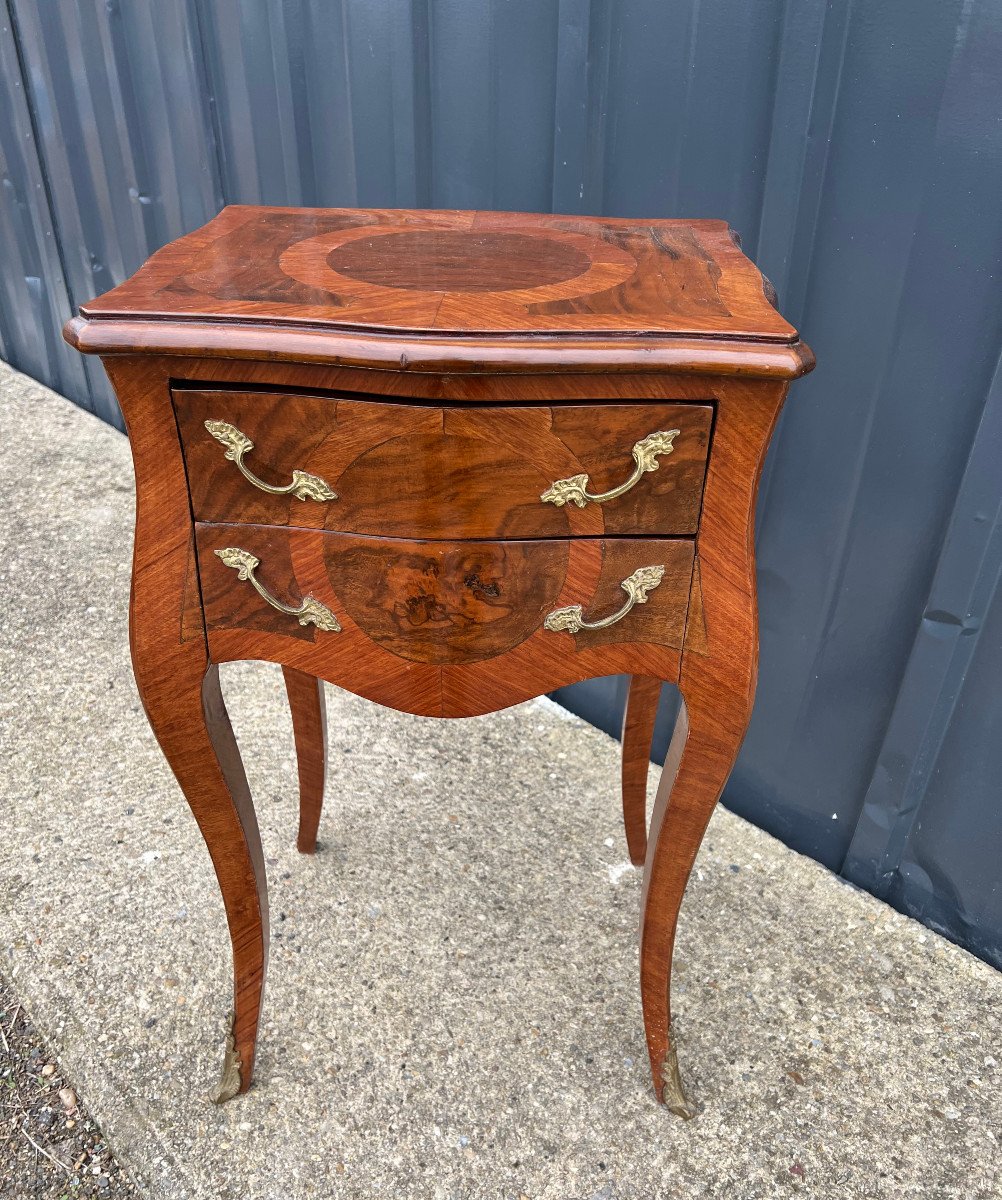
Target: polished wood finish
(454, 272)
(311, 285)
(443, 369)
(638, 732)
(407, 470)
(442, 628)
(717, 683)
(309, 728)
(179, 688)
(439, 356)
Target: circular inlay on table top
(426, 276)
(434, 260)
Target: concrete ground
(452, 1008)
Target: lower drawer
(445, 628)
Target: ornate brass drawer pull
(645, 455)
(304, 486)
(245, 564)
(637, 586)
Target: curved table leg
(186, 711)
(179, 689)
(638, 732)
(717, 684)
(309, 727)
(707, 737)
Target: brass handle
(310, 610)
(637, 586)
(304, 486)
(645, 455)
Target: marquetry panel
(418, 617)
(407, 470)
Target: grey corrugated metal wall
(857, 147)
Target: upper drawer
(408, 470)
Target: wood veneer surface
(428, 290)
(443, 628)
(426, 472)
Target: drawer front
(445, 627)
(412, 471)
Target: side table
(448, 461)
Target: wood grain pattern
(450, 261)
(426, 354)
(180, 692)
(309, 728)
(443, 628)
(444, 368)
(717, 684)
(407, 470)
(456, 272)
(397, 288)
(638, 733)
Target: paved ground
(50, 1147)
(453, 1006)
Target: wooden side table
(449, 461)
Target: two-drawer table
(449, 461)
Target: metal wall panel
(33, 295)
(856, 147)
(120, 115)
(929, 833)
(906, 319)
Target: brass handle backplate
(637, 586)
(304, 486)
(645, 455)
(310, 611)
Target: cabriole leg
(179, 689)
(638, 732)
(717, 685)
(708, 734)
(185, 708)
(309, 727)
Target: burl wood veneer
(449, 461)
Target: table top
(557, 281)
